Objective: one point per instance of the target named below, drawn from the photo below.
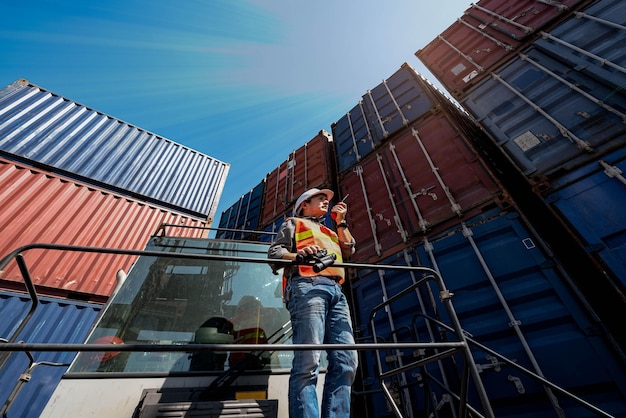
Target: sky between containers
(244, 81)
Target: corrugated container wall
(511, 297)
(554, 115)
(591, 41)
(244, 214)
(487, 34)
(38, 207)
(309, 166)
(384, 110)
(271, 229)
(592, 206)
(78, 142)
(557, 111)
(547, 116)
(55, 321)
(424, 177)
(421, 181)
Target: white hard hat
(310, 193)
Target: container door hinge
(419, 353)
(445, 399)
(393, 358)
(418, 377)
(494, 364)
(518, 384)
(612, 171)
(445, 295)
(515, 323)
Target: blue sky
(244, 81)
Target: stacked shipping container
(421, 180)
(70, 175)
(554, 107)
(431, 187)
(311, 165)
(423, 183)
(512, 298)
(487, 34)
(39, 207)
(267, 205)
(243, 215)
(422, 177)
(551, 104)
(423, 192)
(41, 128)
(419, 184)
(387, 108)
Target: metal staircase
(452, 343)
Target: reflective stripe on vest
(312, 233)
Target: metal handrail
(522, 369)
(73, 347)
(431, 275)
(17, 254)
(470, 366)
(32, 292)
(8, 346)
(161, 229)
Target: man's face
(316, 206)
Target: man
(317, 306)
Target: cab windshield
(167, 300)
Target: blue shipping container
(592, 206)
(371, 288)
(396, 102)
(244, 214)
(384, 110)
(68, 138)
(352, 138)
(507, 294)
(271, 229)
(54, 321)
(591, 42)
(547, 116)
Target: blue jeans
(320, 314)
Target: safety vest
(312, 233)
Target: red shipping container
(274, 199)
(488, 34)
(38, 207)
(372, 212)
(311, 165)
(424, 180)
